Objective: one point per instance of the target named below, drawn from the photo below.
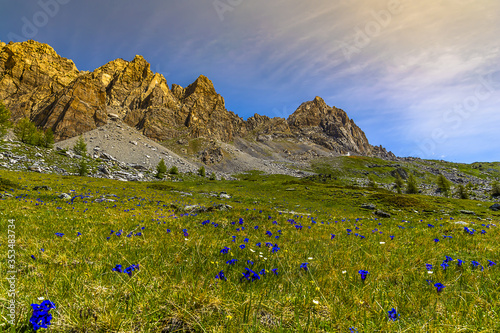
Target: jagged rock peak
(202, 85)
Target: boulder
(368, 206)
(382, 214)
(495, 207)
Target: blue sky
(420, 78)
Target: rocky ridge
(37, 83)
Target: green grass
(175, 289)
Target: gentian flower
(363, 274)
(225, 250)
(258, 244)
(393, 315)
(249, 262)
(439, 287)
(448, 259)
(444, 265)
(41, 317)
(392, 237)
(32, 256)
(275, 271)
(221, 276)
(332, 236)
(231, 262)
(491, 263)
(428, 267)
(118, 268)
(459, 263)
(304, 266)
(242, 246)
(275, 248)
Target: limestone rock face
(36, 82)
(329, 127)
(29, 72)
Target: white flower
(430, 272)
(310, 258)
(251, 250)
(315, 301)
(382, 242)
(343, 272)
(41, 298)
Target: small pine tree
(80, 147)
(495, 189)
(48, 138)
(161, 169)
(5, 122)
(371, 182)
(443, 185)
(462, 192)
(398, 183)
(83, 168)
(411, 185)
(173, 170)
(201, 171)
(25, 131)
(212, 176)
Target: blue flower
(246, 240)
(258, 244)
(118, 268)
(430, 225)
(225, 250)
(250, 275)
(459, 262)
(491, 263)
(250, 262)
(392, 237)
(393, 315)
(275, 271)
(221, 276)
(439, 287)
(262, 271)
(275, 248)
(41, 317)
(59, 234)
(436, 240)
(332, 236)
(363, 274)
(231, 262)
(79, 234)
(475, 264)
(448, 259)
(444, 265)
(242, 246)
(304, 266)
(428, 267)
(32, 256)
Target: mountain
(36, 82)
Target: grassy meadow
(66, 250)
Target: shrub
(80, 147)
(5, 122)
(25, 131)
(212, 176)
(371, 182)
(398, 183)
(201, 171)
(161, 169)
(411, 185)
(48, 138)
(83, 168)
(443, 185)
(495, 189)
(462, 192)
(173, 170)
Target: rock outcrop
(37, 83)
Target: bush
(25, 131)
(212, 176)
(398, 183)
(443, 185)
(462, 192)
(80, 147)
(83, 168)
(161, 169)
(5, 122)
(201, 171)
(495, 189)
(411, 185)
(173, 170)
(48, 138)
(371, 182)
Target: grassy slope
(175, 289)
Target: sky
(421, 78)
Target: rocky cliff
(36, 82)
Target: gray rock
(381, 213)
(6, 195)
(42, 187)
(64, 196)
(495, 207)
(104, 170)
(99, 200)
(34, 168)
(224, 195)
(467, 212)
(461, 223)
(368, 206)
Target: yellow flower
(229, 317)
